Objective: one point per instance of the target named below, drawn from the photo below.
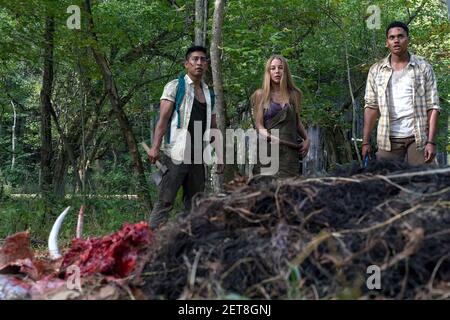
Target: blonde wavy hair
(289, 91)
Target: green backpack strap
(181, 90)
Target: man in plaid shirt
(401, 92)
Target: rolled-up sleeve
(431, 92)
(371, 95)
(170, 91)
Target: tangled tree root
(312, 238)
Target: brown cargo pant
(403, 150)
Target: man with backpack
(186, 111)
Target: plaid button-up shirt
(425, 97)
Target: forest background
(77, 96)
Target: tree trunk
(62, 165)
(442, 155)
(313, 162)
(216, 41)
(117, 106)
(337, 148)
(46, 106)
(355, 144)
(201, 18)
(13, 139)
(59, 177)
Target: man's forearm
(432, 124)
(370, 118)
(160, 131)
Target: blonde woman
(277, 106)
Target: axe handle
(145, 146)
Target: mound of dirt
(381, 233)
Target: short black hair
(193, 49)
(397, 24)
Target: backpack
(181, 90)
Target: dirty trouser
(403, 150)
(190, 176)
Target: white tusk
(53, 237)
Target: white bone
(53, 237)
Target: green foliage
(144, 42)
(102, 216)
(312, 37)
